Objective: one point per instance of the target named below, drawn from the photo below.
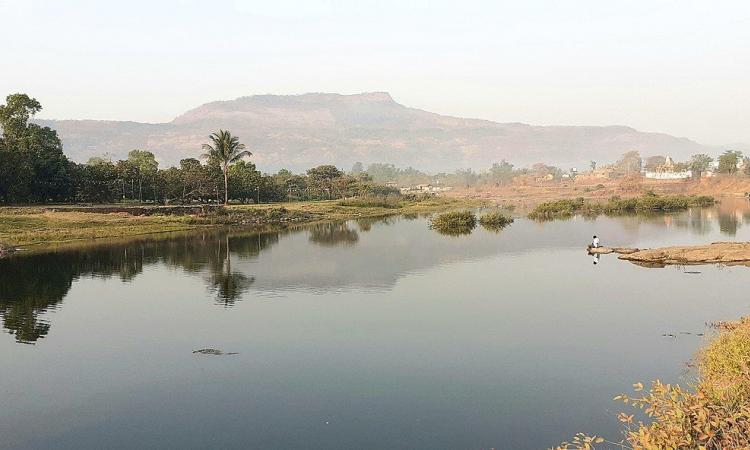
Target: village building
(668, 171)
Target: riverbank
(525, 195)
(25, 226)
(713, 415)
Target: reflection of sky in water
(369, 334)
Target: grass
(22, 226)
(616, 205)
(377, 201)
(715, 414)
(495, 221)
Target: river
(367, 334)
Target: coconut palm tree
(224, 149)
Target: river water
(367, 334)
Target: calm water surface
(361, 335)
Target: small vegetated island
(495, 221)
(457, 223)
(616, 205)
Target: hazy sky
(681, 67)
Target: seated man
(595, 243)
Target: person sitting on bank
(595, 242)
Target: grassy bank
(615, 205)
(21, 226)
(715, 414)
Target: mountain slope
(301, 131)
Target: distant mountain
(300, 131)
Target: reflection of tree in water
(365, 223)
(331, 234)
(228, 285)
(728, 223)
(454, 231)
(696, 220)
(21, 303)
(31, 285)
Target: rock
(599, 250)
(6, 250)
(730, 253)
(606, 250)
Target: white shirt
(596, 242)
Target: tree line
(34, 169)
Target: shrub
(454, 223)
(373, 201)
(557, 208)
(716, 415)
(495, 221)
(616, 205)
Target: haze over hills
(301, 131)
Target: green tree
(501, 173)
(699, 164)
(15, 115)
(146, 167)
(224, 150)
(244, 181)
(96, 182)
(33, 166)
(728, 161)
(630, 162)
(322, 178)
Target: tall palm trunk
(226, 186)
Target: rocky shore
(729, 253)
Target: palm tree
(225, 149)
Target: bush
(716, 415)
(557, 208)
(495, 221)
(616, 205)
(373, 201)
(454, 223)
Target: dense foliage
(495, 221)
(616, 205)
(34, 169)
(454, 223)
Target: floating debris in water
(213, 352)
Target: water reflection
(331, 234)
(34, 284)
(231, 264)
